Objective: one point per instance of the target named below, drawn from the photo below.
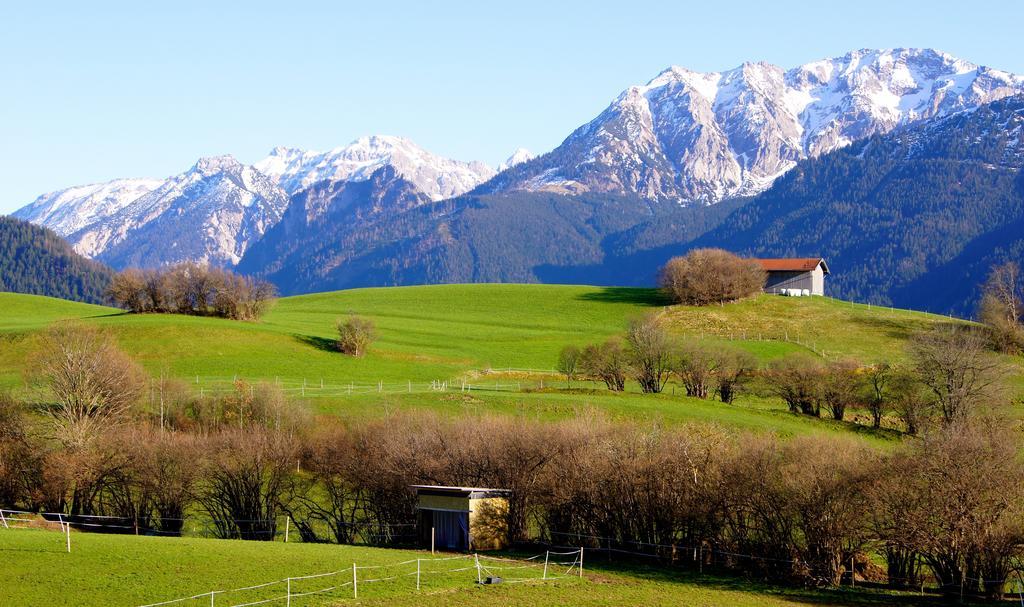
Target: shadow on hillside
(628, 295)
(320, 343)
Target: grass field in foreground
(110, 570)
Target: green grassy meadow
(472, 335)
(118, 570)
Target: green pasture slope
(127, 571)
(454, 333)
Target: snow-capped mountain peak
(211, 213)
(692, 136)
(68, 210)
(519, 156)
(438, 177)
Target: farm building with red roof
(795, 276)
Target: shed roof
(793, 264)
(471, 492)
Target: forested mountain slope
(35, 260)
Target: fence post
(287, 524)
(546, 553)
(581, 561)
(288, 592)
(2, 518)
(476, 557)
(417, 574)
(355, 583)
(213, 593)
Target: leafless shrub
(707, 276)
(607, 362)
(93, 383)
(245, 475)
(651, 352)
(953, 363)
(735, 368)
(842, 386)
(355, 334)
(796, 379)
(877, 379)
(697, 367)
(569, 363)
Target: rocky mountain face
(211, 214)
(71, 209)
(437, 177)
(688, 136)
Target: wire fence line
(281, 527)
(699, 552)
(417, 574)
(219, 385)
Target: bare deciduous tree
(955, 366)
(569, 363)
(607, 362)
(93, 383)
(736, 367)
(697, 367)
(707, 276)
(651, 352)
(128, 290)
(796, 379)
(876, 381)
(1002, 307)
(244, 478)
(841, 387)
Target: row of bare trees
(950, 374)
(190, 288)
(943, 510)
(648, 355)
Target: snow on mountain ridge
(294, 169)
(210, 213)
(692, 136)
(68, 210)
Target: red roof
(796, 264)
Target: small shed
(462, 518)
(799, 275)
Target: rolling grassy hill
(456, 333)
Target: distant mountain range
(757, 159)
(688, 136)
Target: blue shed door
(451, 530)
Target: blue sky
(97, 90)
